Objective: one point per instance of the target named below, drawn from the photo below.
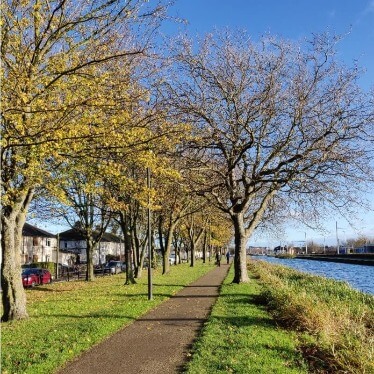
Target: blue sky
(294, 19)
(291, 19)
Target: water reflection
(360, 277)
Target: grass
(285, 255)
(283, 321)
(68, 318)
(241, 337)
(335, 322)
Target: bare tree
(274, 122)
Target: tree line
(233, 130)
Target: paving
(160, 341)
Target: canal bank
(337, 319)
(356, 259)
(358, 276)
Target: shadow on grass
(47, 289)
(177, 321)
(85, 316)
(165, 295)
(245, 321)
(186, 286)
(245, 299)
(193, 296)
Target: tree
(174, 200)
(129, 212)
(195, 227)
(87, 200)
(275, 120)
(54, 56)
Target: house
(367, 248)
(37, 245)
(73, 247)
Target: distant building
(37, 245)
(73, 247)
(280, 249)
(252, 250)
(368, 248)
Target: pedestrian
(228, 257)
(218, 258)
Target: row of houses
(67, 247)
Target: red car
(34, 276)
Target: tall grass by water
(334, 321)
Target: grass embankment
(241, 337)
(67, 318)
(334, 321)
(285, 321)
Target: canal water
(360, 277)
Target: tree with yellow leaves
(55, 62)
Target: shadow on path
(158, 342)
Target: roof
(33, 231)
(74, 234)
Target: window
(48, 242)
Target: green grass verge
(334, 321)
(68, 318)
(241, 337)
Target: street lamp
(306, 244)
(337, 238)
(150, 296)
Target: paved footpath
(158, 342)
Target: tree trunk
(142, 253)
(89, 251)
(135, 244)
(194, 240)
(13, 294)
(166, 248)
(192, 253)
(240, 259)
(128, 249)
(205, 245)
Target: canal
(360, 277)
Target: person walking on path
(228, 257)
(158, 342)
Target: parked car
(99, 269)
(35, 276)
(172, 258)
(113, 267)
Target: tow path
(160, 341)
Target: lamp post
(337, 238)
(57, 255)
(150, 296)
